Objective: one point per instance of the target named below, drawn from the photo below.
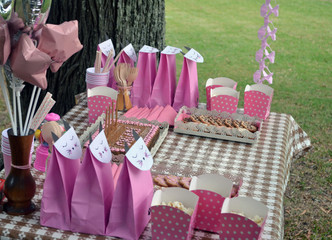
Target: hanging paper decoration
(267, 31)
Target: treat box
(224, 99)
(170, 222)
(257, 100)
(236, 226)
(204, 130)
(217, 82)
(163, 127)
(212, 190)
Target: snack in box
(248, 224)
(173, 213)
(212, 190)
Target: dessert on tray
(124, 133)
(220, 125)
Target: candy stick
(112, 114)
(37, 120)
(42, 105)
(5, 95)
(98, 62)
(109, 57)
(29, 109)
(33, 110)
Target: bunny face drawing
(100, 148)
(69, 145)
(140, 156)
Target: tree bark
(126, 21)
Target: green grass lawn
(225, 33)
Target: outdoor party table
(264, 168)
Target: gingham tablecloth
(264, 168)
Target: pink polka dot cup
(212, 190)
(224, 99)
(257, 100)
(214, 83)
(170, 222)
(242, 217)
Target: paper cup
(41, 157)
(93, 79)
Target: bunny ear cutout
(60, 42)
(29, 63)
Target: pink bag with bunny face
(58, 187)
(94, 188)
(164, 87)
(186, 93)
(142, 86)
(133, 194)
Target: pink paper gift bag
(94, 188)
(58, 187)
(257, 100)
(186, 93)
(224, 99)
(99, 98)
(164, 86)
(142, 86)
(133, 194)
(128, 55)
(214, 83)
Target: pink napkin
(164, 87)
(155, 112)
(187, 90)
(142, 86)
(132, 112)
(144, 113)
(168, 114)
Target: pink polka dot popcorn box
(224, 99)
(213, 83)
(99, 98)
(173, 213)
(257, 100)
(242, 218)
(212, 190)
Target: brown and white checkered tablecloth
(264, 168)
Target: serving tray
(218, 132)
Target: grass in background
(225, 33)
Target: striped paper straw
(41, 114)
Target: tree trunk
(126, 21)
